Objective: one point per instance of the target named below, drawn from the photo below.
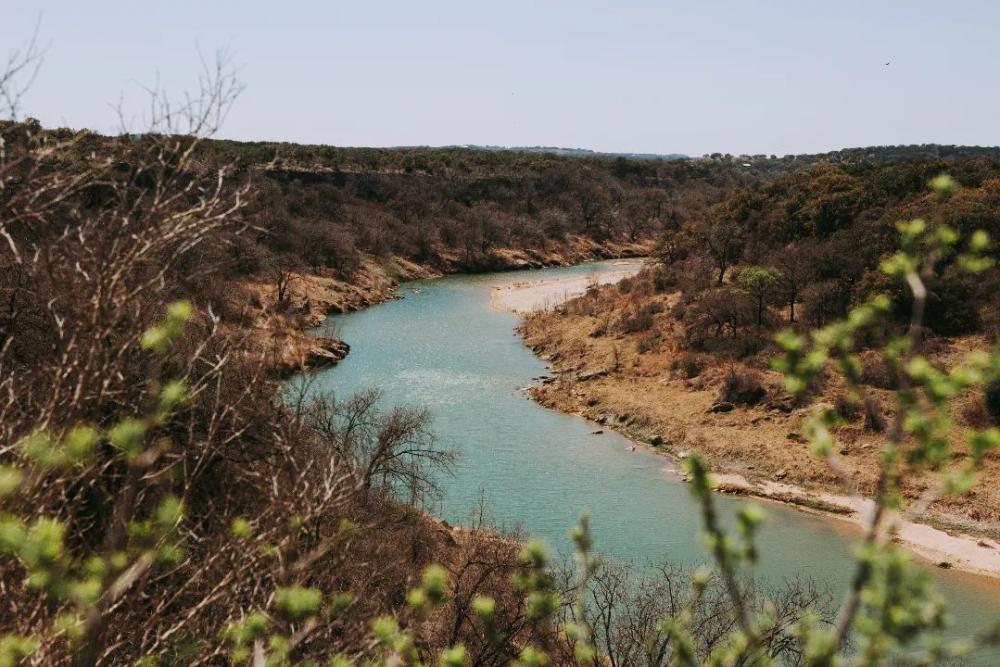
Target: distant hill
(862, 155)
(578, 152)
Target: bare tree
(392, 451)
(93, 232)
(796, 267)
(17, 76)
(723, 242)
(283, 278)
(629, 608)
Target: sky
(694, 77)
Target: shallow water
(444, 348)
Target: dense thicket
(803, 249)
(453, 208)
(132, 447)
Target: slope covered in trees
(697, 331)
(823, 231)
(167, 501)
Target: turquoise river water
(443, 347)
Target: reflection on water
(445, 348)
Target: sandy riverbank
(967, 553)
(977, 555)
(532, 295)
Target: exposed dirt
(531, 295)
(281, 331)
(627, 382)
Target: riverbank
(754, 452)
(284, 331)
(533, 295)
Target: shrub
(247, 258)
(626, 285)
(991, 397)
(875, 372)
(640, 319)
(742, 386)
(976, 414)
(717, 315)
(689, 364)
(823, 302)
(648, 342)
(663, 281)
(846, 409)
(951, 306)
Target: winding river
(444, 347)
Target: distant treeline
(830, 215)
(452, 208)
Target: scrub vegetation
(688, 346)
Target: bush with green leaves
(139, 537)
(890, 604)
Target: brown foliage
(742, 386)
(875, 372)
(96, 237)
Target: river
(443, 347)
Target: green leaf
(453, 657)
(241, 528)
(156, 339)
(180, 312)
(979, 242)
(173, 394)
(169, 513)
(14, 649)
(86, 591)
(539, 605)
(417, 599)
(944, 186)
(41, 448)
(385, 629)
(534, 554)
(983, 442)
(484, 606)
(581, 535)
(298, 602)
(43, 545)
(128, 435)
(339, 603)
(10, 480)
(435, 583)
(80, 442)
(532, 657)
(12, 535)
(169, 554)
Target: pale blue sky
(693, 77)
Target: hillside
(166, 493)
(681, 355)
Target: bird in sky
(888, 62)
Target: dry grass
(656, 395)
